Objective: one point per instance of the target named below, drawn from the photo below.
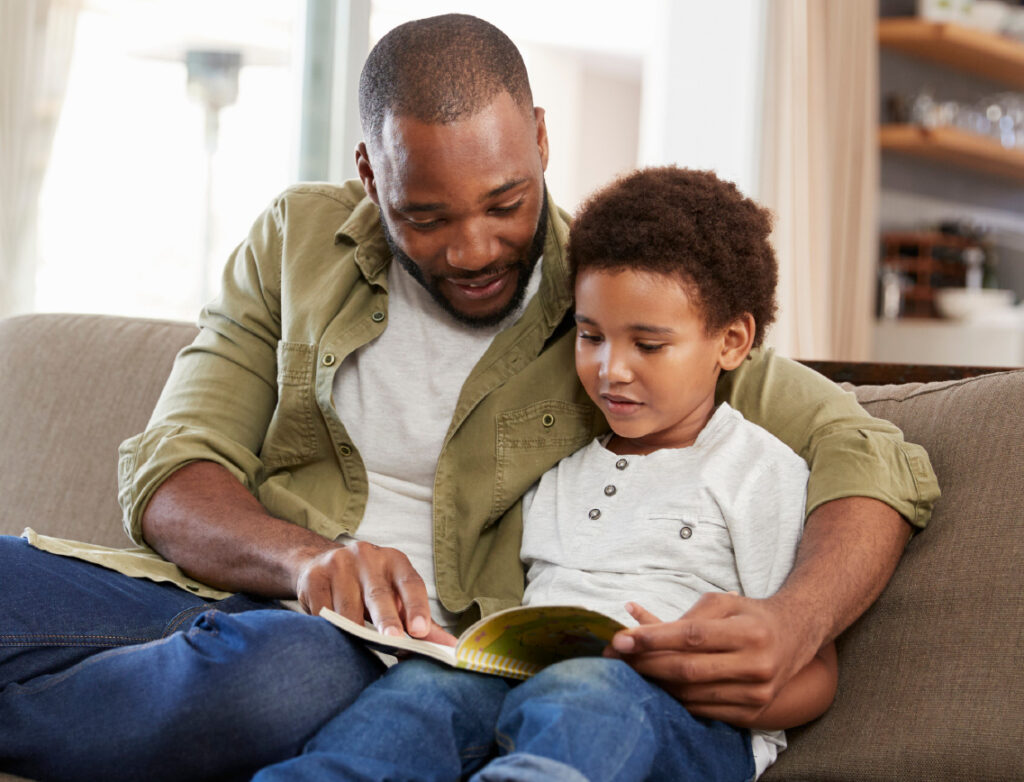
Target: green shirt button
(345, 449)
(548, 420)
(328, 359)
(377, 316)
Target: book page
(390, 643)
(520, 641)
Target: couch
(931, 678)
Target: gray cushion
(72, 387)
(931, 678)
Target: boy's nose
(615, 368)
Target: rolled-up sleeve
(850, 453)
(222, 390)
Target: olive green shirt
(309, 286)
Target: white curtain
(820, 173)
(36, 40)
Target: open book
(516, 642)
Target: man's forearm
(848, 553)
(205, 521)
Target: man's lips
(481, 287)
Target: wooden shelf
(993, 56)
(954, 146)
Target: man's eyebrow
(501, 189)
(413, 207)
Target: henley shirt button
(609, 490)
(685, 533)
(328, 359)
(548, 420)
(377, 316)
(594, 514)
(345, 449)
(621, 464)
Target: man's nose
(472, 247)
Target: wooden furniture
(984, 54)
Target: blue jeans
(108, 677)
(584, 719)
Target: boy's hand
(725, 659)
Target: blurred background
(140, 138)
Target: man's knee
(280, 663)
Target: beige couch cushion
(71, 388)
(932, 678)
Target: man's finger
(641, 614)
(686, 634)
(413, 594)
(381, 605)
(702, 677)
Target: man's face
(463, 204)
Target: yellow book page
(518, 642)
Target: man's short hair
(440, 70)
(690, 225)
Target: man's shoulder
(347, 194)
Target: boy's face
(644, 357)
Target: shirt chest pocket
(292, 435)
(683, 537)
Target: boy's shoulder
(733, 437)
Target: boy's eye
(588, 337)
(650, 347)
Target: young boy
(675, 283)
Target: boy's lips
(620, 404)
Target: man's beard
(524, 265)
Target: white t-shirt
(661, 529)
(397, 396)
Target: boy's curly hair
(690, 225)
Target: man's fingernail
(418, 625)
(391, 630)
(623, 643)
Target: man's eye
(504, 210)
(427, 225)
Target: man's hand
(726, 658)
(363, 580)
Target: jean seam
(66, 639)
(188, 615)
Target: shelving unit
(990, 55)
(985, 54)
(926, 261)
(955, 146)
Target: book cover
(516, 642)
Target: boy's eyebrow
(435, 206)
(632, 326)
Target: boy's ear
(737, 340)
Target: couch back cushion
(72, 387)
(931, 678)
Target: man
(356, 433)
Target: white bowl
(967, 303)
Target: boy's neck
(624, 446)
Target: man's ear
(737, 340)
(365, 171)
(542, 136)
